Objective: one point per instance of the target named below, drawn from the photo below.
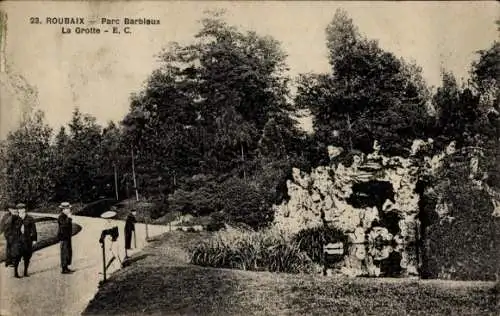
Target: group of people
(20, 234)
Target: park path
(48, 292)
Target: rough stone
(327, 189)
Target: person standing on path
(6, 229)
(129, 229)
(16, 240)
(28, 239)
(64, 235)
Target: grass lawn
(161, 282)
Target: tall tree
(369, 95)
(468, 115)
(485, 75)
(458, 113)
(112, 164)
(83, 156)
(4, 192)
(485, 78)
(28, 161)
(60, 177)
(204, 110)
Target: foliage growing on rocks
(312, 240)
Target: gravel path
(48, 292)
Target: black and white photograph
(249, 158)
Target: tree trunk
(243, 161)
(349, 129)
(133, 176)
(116, 182)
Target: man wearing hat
(129, 229)
(65, 233)
(27, 236)
(6, 228)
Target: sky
(98, 72)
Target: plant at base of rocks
(265, 250)
(312, 240)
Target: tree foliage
(86, 157)
(369, 95)
(215, 107)
(463, 242)
(28, 161)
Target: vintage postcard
(249, 158)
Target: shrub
(200, 201)
(95, 209)
(464, 247)
(216, 222)
(266, 250)
(312, 240)
(271, 179)
(243, 202)
(247, 201)
(156, 209)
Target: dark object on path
(127, 262)
(113, 232)
(65, 234)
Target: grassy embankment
(162, 282)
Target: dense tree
(458, 113)
(112, 161)
(4, 192)
(28, 161)
(485, 74)
(86, 158)
(205, 110)
(463, 241)
(485, 78)
(60, 177)
(81, 157)
(467, 113)
(369, 95)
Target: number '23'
(35, 20)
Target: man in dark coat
(6, 229)
(65, 234)
(27, 238)
(16, 241)
(129, 229)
